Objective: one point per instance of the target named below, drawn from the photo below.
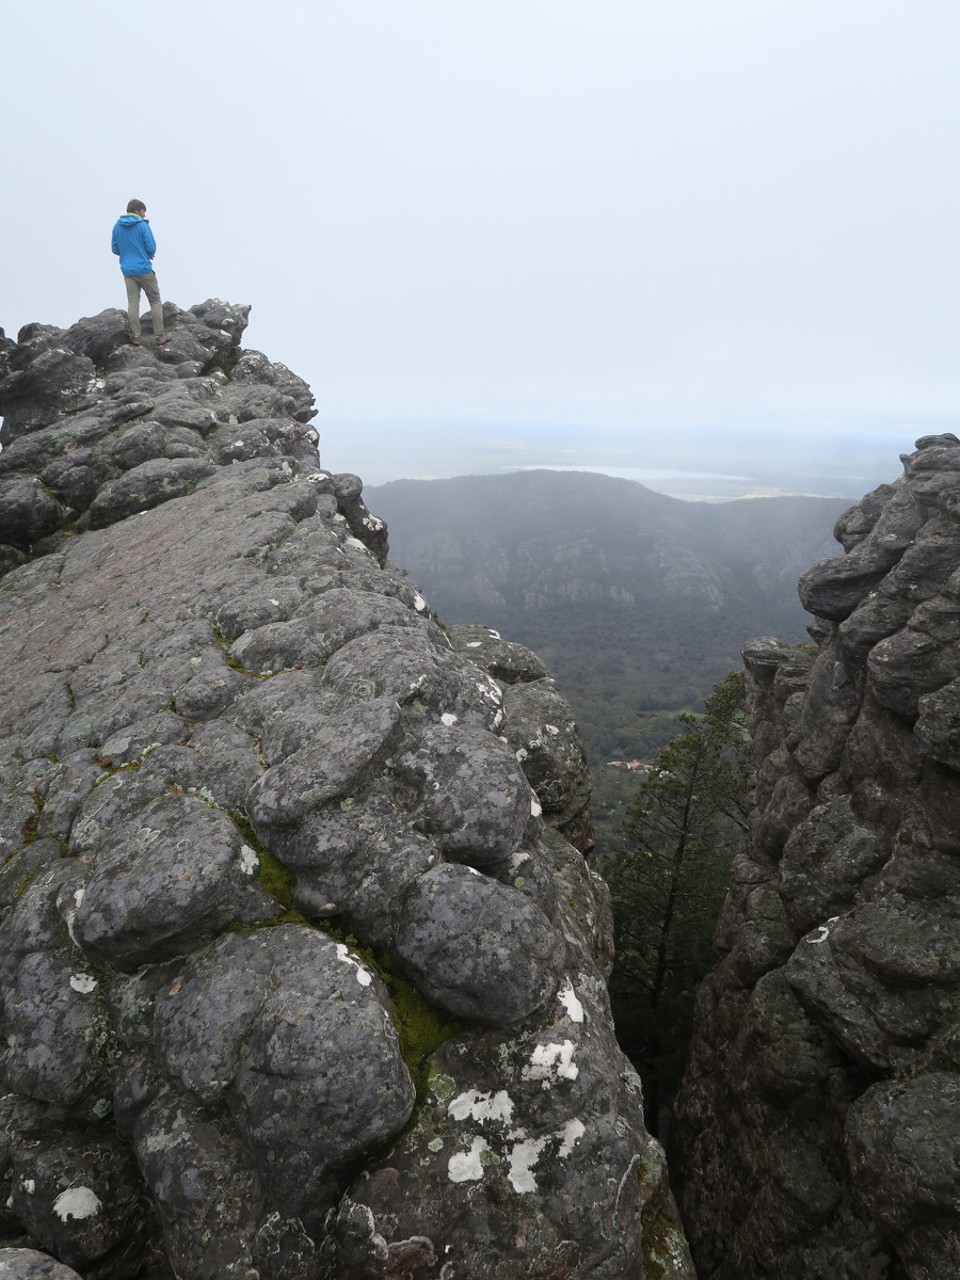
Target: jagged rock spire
(819, 1116)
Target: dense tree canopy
(682, 829)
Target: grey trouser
(148, 283)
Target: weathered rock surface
(301, 976)
(539, 726)
(819, 1113)
(28, 1264)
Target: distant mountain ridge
(634, 598)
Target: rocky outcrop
(539, 725)
(819, 1116)
(28, 1264)
(296, 980)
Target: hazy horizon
(633, 217)
(692, 463)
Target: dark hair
(136, 206)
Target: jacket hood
(128, 218)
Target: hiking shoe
(162, 340)
(135, 342)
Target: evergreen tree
(682, 829)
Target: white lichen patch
(363, 976)
(522, 754)
(69, 914)
(83, 982)
(248, 860)
(497, 1107)
(448, 718)
(489, 691)
(523, 1156)
(167, 1140)
(29, 1186)
(572, 1132)
(536, 808)
(550, 1063)
(467, 1166)
(523, 1153)
(822, 933)
(76, 1202)
(473, 644)
(494, 635)
(568, 998)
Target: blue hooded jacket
(134, 243)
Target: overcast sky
(638, 212)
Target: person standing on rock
(135, 246)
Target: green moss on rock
(422, 1029)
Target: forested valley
(638, 603)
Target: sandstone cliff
(296, 980)
(820, 1116)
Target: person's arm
(115, 241)
(148, 241)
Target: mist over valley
(713, 462)
(638, 602)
